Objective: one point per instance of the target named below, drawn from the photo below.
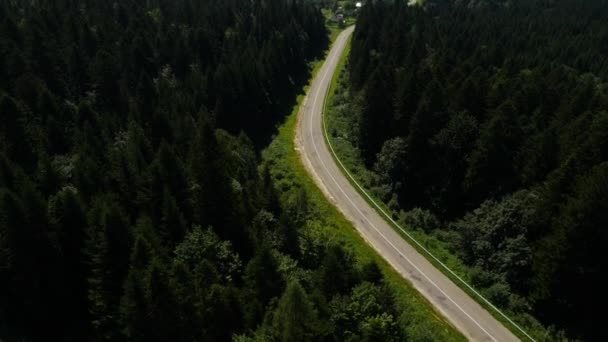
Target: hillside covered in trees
(132, 201)
(486, 123)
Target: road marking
(407, 233)
(356, 208)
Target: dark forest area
(486, 122)
(133, 205)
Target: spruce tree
(295, 319)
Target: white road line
(371, 224)
(413, 239)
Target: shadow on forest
(262, 133)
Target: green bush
(421, 219)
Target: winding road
(475, 322)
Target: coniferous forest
(132, 201)
(486, 124)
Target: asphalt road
(453, 303)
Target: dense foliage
(237, 59)
(492, 116)
(131, 205)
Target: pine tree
(161, 308)
(13, 289)
(14, 141)
(262, 283)
(337, 274)
(172, 224)
(491, 164)
(295, 319)
(203, 159)
(68, 222)
(106, 248)
(133, 311)
(223, 313)
(133, 303)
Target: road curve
(461, 310)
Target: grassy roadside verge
(290, 177)
(436, 244)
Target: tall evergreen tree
(295, 318)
